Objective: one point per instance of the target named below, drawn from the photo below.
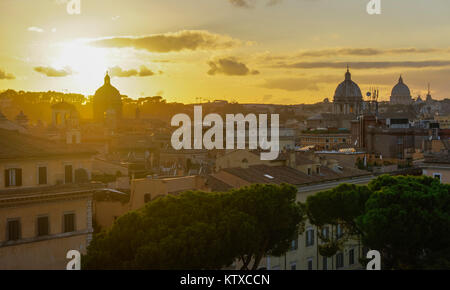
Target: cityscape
(168, 135)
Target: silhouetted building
(107, 99)
(401, 95)
(347, 97)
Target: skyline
(283, 52)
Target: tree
(279, 219)
(406, 218)
(200, 230)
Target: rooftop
(15, 145)
(284, 174)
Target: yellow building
(46, 201)
(39, 227)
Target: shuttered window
(69, 222)
(13, 177)
(68, 174)
(42, 175)
(14, 230)
(43, 226)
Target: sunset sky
(250, 51)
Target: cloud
(170, 42)
(6, 76)
(367, 51)
(291, 84)
(240, 3)
(366, 65)
(52, 72)
(230, 67)
(35, 29)
(117, 71)
(145, 72)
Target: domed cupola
(401, 95)
(347, 97)
(106, 98)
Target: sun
(86, 64)
(81, 58)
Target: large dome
(347, 90)
(401, 90)
(107, 89)
(107, 98)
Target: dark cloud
(53, 72)
(240, 3)
(366, 65)
(6, 76)
(117, 71)
(367, 51)
(170, 42)
(145, 72)
(230, 67)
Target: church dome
(107, 97)
(400, 89)
(401, 95)
(107, 89)
(347, 90)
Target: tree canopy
(406, 218)
(201, 230)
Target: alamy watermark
(235, 131)
(374, 7)
(74, 7)
(75, 260)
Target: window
(339, 260)
(294, 245)
(42, 226)
(437, 176)
(324, 263)
(309, 171)
(309, 237)
(42, 175)
(293, 266)
(310, 264)
(147, 197)
(13, 230)
(68, 174)
(338, 232)
(13, 177)
(351, 257)
(69, 223)
(326, 233)
(318, 170)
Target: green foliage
(406, 218)
(200, 230)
